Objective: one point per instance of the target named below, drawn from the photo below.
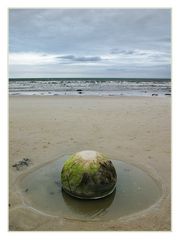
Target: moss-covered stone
(88, 174)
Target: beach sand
(136, 130)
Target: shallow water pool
(135, 191)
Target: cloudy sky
(89, 43)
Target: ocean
(90, 86)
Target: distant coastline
(91, 79)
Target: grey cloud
(125, 52)
(68, 57)
(81, 59)
(63, 30)
(88, 59)
(137, 52)
(142, 53)
(86, 35)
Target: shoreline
(87, 95)
(133, 129)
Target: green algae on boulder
(88, 175)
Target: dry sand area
(136, 130)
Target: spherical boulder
(88, 175)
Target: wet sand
(133, 129)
